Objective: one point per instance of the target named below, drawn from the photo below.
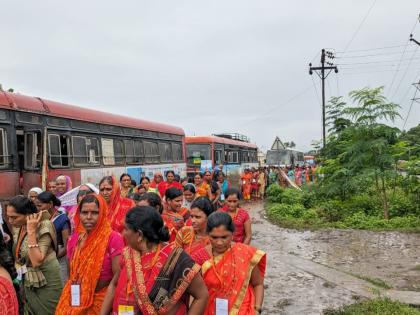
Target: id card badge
(222, 197)
(222, 306)
(75, 294)
(20, 270)
(125, 310)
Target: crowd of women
(164, 246)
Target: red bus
(41, 139)
(230, 152)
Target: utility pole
(323, 74)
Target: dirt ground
(389, 256)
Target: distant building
(280, 156)
(261, 158)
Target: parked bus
(41, 139)
(283, 157)
(231, 152)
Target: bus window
(129, 151)
(233, 157)
(59, 150)
(32, 150)
(217, 157)
(138, 152)
(93, 150)
(197, 151)
(177, 152)
(119, 153)
(108, 151)
(4, 157)
(151, 151)
(80, 151)
(165, 152)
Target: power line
(276, 107)
(405, 73)
(412, 102)
(375, 62)
(360, 26)
(371, 55)
(370, 49)
(402, 56)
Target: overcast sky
(210, 66)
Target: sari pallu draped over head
(229, 278)
(86, 265)
(156, 282)
(118, 207)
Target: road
(309, 272)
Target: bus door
(29, 150)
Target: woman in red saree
(233, 272)
(240, 217)
(118, 206)
(170, 182)
(156, 277)
(193, 238)
(174, 216)
(94, 251)
(8, 291)
(246, 184)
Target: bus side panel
(9, 184)
(74, 175)
(30, 179)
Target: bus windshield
(197, 152)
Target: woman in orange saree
(174, 215)
(118, 206)
(202, 188)
(193, 238)
(156, 277)
(246, 184)
(234, 272)
(94, 251)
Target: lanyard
(22, 234)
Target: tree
(290, 145)
(369, 149)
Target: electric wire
(360, 25)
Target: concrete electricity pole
(323, 71)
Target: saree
(246, 185)
(41, 285)
(174, 221)
(239, 218)
(186, 239)
(155, 282)
(202, 190)
(163, 186)
(228, 276)
(85, 266)
(8, 299)
(118, 207)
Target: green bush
(292, 196)
(366, 203)
(331, 210)
(274, 193)
(286, 211)
(401, 204)
(373, 307)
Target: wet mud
(389, 256)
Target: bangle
(33, 246)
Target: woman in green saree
(36, 261)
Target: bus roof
(214, 139)
(31, 104)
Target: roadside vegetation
(375, 307)
(369, 173)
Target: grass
(417, 267)
(376, 281)
(378, 306)
(316, 223)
